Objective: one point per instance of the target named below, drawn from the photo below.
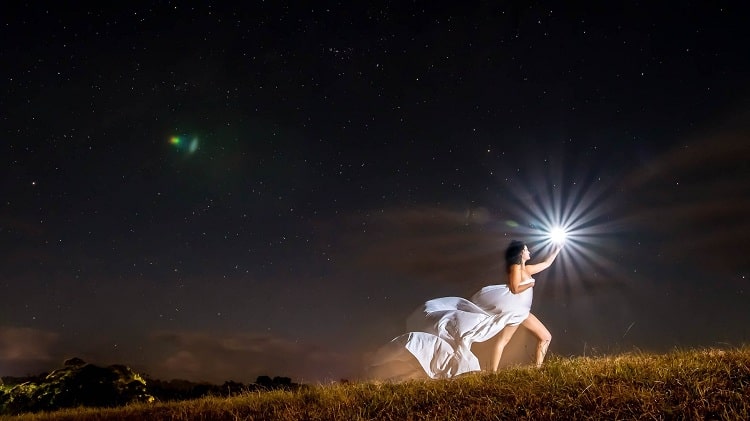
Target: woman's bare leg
(542, 334)
(501, 339)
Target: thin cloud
(26, 344)
(429, 243)
(206, 356)
(702, 184)
(24, 350)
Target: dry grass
(683, 384)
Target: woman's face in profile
(525, 254)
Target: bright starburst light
(575, 212)
(557, 235)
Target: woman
(515, 298)
(442, 330)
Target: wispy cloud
(25, 351)
(448, 245)
(701, 184)
(21, 344)
(216, 357)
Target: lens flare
(193, 145)
(185, 144)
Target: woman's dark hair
(513, 254)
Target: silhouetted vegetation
(79, 384)
(76, 384)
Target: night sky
(218, 192)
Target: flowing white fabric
(498, 299)
(442, 330)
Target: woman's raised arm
(538, 267)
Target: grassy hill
(683, 384)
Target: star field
(217, 192)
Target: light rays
(575, 211)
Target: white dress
(442, 330)
(498, 299)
